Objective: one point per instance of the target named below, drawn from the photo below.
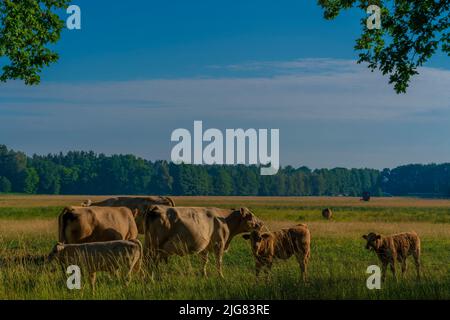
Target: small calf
(281, 244)
(110, 256)
(395, 247)
(327, 213)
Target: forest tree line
(99, 174)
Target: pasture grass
(337, 269)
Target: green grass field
(336, 270)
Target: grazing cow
(96, 224)
(395, 247)
(327, 213)
(118, 257)
(134, 203)
(186, 230)
(282, 244)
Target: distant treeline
(98, 174)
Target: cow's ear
(246, 236)
(135, 213)
(378, 237)
(364, 236)
(265, 235)
(245, 211)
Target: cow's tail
(172, 203)
(62, 225)
(138, 265)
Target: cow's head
(247, 220)
(55, 251)
(373, 241)
(86, 203)
(256, 238)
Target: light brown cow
(282, 244)
(327, 213)
(118, 257)
(134, 203)
(188, 230)
(395, 247)
(96, 224)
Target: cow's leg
(383, 271)
(92, 278)
(149, 252)
(204, 256)
(392, 265)
(416, 256)
(268, 269)
(219, 251)
(404, 266)
(156, 262)
(128, 276)
(303, 263)
(258, 267)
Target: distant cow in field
(365, 196)
(118, 257)
(96, 224)
(395, 247)
(327, 213)
(281, 244)
(187, 230)
(133, 203)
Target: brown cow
(327, 213)
(187, 230)
(134, 203)
(395, 247)
(112, 256)
(282, 244)
(96, 224)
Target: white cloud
(339, 89)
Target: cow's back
(95, 224)
(299, 239)
(405, 243)
(103, 256)
(140, 203)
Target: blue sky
(140, 69)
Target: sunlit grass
(337, 269)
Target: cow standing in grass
(282, 244)
(187, 230)
(397, 247)
(327, 213)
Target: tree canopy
(27, 28)
(79, 172)
(412, 31)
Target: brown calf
(281, 244)
(395, 247)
